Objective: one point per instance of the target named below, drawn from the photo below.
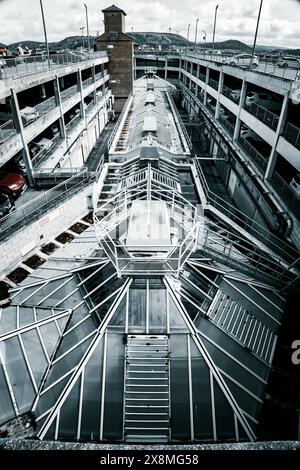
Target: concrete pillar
(205, 89)
(241, 105)
(197, 76)
(166, 68)
(94, 81)
(102, 73)
(220, 88)
(280, 128)
(20, 129)
(134, 68)
(61, 120)
(79, 84)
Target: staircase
(147, 392)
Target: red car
(12, 183)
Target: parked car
(249, 135)
(38, 147)
(28, 115)
(295, 185)
(16, 164)
(242, 60)
(6, 204)
(266, 100)
(289, 62)
(12, 184)
(235, 94)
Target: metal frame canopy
(107, 340)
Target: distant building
(119, 47)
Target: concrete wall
(42, 231)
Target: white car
(251, 136)
(243, 60)
(28, 115)
(289, 62)
(295, 185)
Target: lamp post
(196, 30)
(187, 37)
(45, 33)
(82, 45)
(87, 26)
(215, 22)
(256, 31)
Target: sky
(279, 25)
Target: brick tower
(119, 47)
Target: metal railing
(73, 122)
(277, 245)
(7, 130)
(228, 126)
(286, 193)
(87, 82)
(65, 94)
(292, 134)
(260, 160)
(264, 115)
(213, 83)
(40, 205)
(27, 65)
(117, 125)
(44, 152)
(45, 106)
(228, 92)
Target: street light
(196, 30)
(87, 26)
(82, 46)
(213, 46)
(45, 33)
(188, 35)
(256, 31)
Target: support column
(280, 128)
(79, 84)
(220, 88)
(241, 105)
(205, 89)
(166, 68)
(197, 76)
(61, 120)
(94, 82)
(20, 129)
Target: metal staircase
(147, 389)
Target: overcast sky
(21, 19)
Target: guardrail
(258, 158)
(65, 94)
(228, 126)
(213, 83)
(264, 115)
(27, 65)
(286, 193)
(7, 130)
(282, 249)
(36, 159)
(119, 120)
(38, 206)
(292, 134)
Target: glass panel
(224, 415)
(42, 313)
(203, 427)
(119, 317)
(244, 400)
(69, 414)
(26, 316)
(50, 336)
(78, 314)
(90, 420)
(18, 374)
(137, 309)
(176, 320)
(8, 320)
(62, 323)
(114, 387)
(48, 399)
(76, 335)
(179, 388)
(67, 363)
(6, 406)
(35, 354)
(157, 310)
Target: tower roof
(113, 8)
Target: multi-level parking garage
(138, 303)
(255, 113)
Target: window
(113, 34)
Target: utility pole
(215, 21)
(187, 38)
(82, 38)
(45, 33)
(256, 31)
(87, 26)
(196, 30)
